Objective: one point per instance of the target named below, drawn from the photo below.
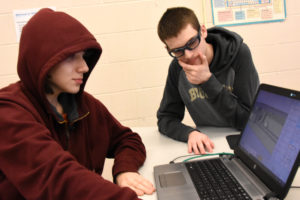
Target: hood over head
(48, 38)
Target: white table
(161, 150)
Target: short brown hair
(174, 20)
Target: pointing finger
(202, 58)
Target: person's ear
(203, 31)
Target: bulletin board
(238, 12)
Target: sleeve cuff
(212, 87)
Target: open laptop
(265, 160)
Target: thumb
(182, 64)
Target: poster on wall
(239, 12)
(21, 17)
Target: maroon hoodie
(43, 156)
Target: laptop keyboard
(214, 181)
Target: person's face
(188, 37)
(67, 76)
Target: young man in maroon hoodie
(55, 137)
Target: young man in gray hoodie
(212, 75)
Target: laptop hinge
(271, 196)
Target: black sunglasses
(190, 45)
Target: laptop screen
(271, 137)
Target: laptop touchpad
(171, 179)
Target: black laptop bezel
(269, 180)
